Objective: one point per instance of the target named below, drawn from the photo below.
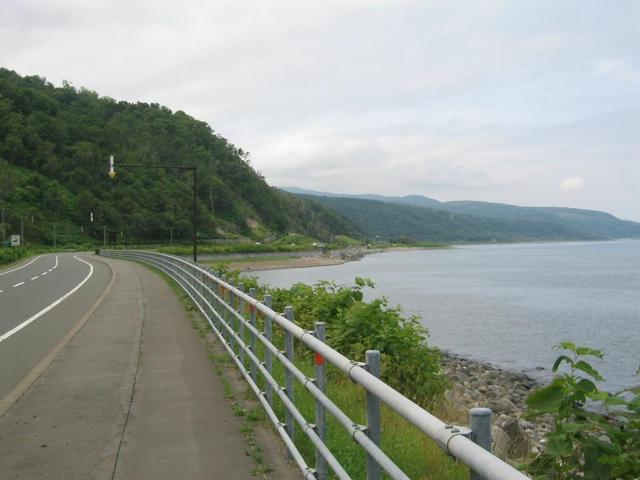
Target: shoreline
(478, 384)
(250, 265)
(338, 257)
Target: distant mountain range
(426, 219)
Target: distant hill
(54, 148)
(423, 218)
(416, 200)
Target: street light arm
(140, 165)
(112, 174)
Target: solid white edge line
(25, 265)
(27, 322)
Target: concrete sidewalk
(132, 396)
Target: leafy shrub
(596, 433)
(355, 326)
(9, 255)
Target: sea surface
(508, 305)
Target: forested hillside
(408, 218)
(54, 148)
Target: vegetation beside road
(596, 433)
(10, 255)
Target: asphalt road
(40, 301)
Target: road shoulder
(23, 385)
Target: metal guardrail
(224, 306)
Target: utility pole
(170, 235)
(22, 232)
(54, 236)
(104, 236)
(4, 230)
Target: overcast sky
(525, 102)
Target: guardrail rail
(224, 306)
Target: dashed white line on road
(25, 265)
(35, 278)
(44, 273)
(18, 284)
(45, 310)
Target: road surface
(41, 300)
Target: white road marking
(56, 262)
(54, 304)
(35, 278)
(18, 284)
(44, 273)
(1, 291)
(25, 265)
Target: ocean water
(509, 305)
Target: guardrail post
(231, 302)
(480, 425)
(373, 414)
(288, 351)
(240, 323)
(321, 420)
(214, 302)
(208, 285)
(268, 362)
(224, 312)
(252, 336)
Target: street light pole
(195, 233)
(112, 174)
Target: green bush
(354, 326)
(13, 254)
(596, 434)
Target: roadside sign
(15, 240)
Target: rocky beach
(475, 384)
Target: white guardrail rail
(224, 306)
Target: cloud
(617, 68)
(572, 184)
(484, 102)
